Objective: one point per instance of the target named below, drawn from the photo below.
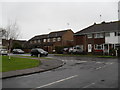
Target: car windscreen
(40, 50)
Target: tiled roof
(103, 27)
(57, 34)
(39, 37)
(50, 35)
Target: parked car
(75, 50)
(65, 50)
(38, 52)
(18, 51)
(3, 52)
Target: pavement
(46, 64)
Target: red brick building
(98, 38)
(51, 40)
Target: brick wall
(67, 37)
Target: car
(3, 52)
(38, 52)
(75, 50)
(70, 50)
(65, 50)
(18, 51)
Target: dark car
(18, 51)
(38, 52)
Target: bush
(119, 52)
(59, 49)
(17, 46)
(112, 52)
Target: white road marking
(98, 68)
(99, 62)
(56, 82)
(104, 66)
(89, 85)
(82, 61)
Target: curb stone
(32, 72)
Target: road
(78, 72)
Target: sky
(36, 18)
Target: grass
(33, 57)
(88, 55)
(17, 63)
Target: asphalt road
(78, 72)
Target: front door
(89, 47)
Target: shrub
(59, 49)
(112, 52)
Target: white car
(18, 51)
(75, 49)
(3, 52)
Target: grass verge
(33, 57)
(17, 63)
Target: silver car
(3, 52)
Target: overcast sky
(35, 18)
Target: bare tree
(11, 33)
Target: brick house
(99, 38)
(51, 40)
(5, 43)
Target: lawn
(33, 57)
(17, 63)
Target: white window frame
(107, 34)
(117, 33)
(39, 41)
(35, 41)
(97, 45)
(48, 40)
(44, 40)
(54, 39)
(89, 35)
(98, 35)
(59, 39)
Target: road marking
(98, 68)
(89, 85)
(103, 66)
(56, 82)
(99, 62)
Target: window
(35, 41)
(117, 46)
(117, 33)
(89, 35)
(38, 41)
(54, 39)
(107, 34)
(98, 35)
(0, 42)
(44, 40)
(58, 39)
(31, 42)
(48, 40)
(98, 46)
